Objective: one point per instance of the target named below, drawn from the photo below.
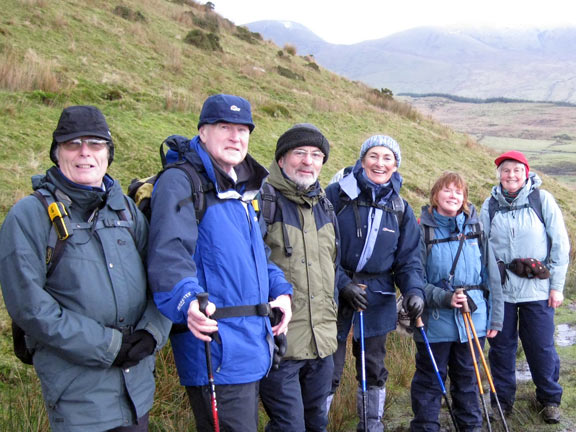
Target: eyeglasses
(316, 156)
(95, 144)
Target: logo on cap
(234, 108)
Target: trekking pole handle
(465, 307)
(419, 322)
(202, 301)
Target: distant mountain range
(531, 64)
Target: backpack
(140, 190)
(395, 205)
(270, 203)
(429, 240)
(534, 202)
(60, 231)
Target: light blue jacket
(476, 267)
(520, 234)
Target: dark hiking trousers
(375, 353)
(534, 323)
(237, 407)
(294, 395)
(454, 359)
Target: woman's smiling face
(379, 164)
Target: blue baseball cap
(227, 109)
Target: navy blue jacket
(394, 260)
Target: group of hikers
(259, 275)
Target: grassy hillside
(131, 60)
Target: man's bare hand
(199, 324)
(284, 303)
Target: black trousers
(237, 407)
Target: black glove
(280, 345)
(143, 345)
(123, 353)
(414, 306)
(354, 296)
(134, 348)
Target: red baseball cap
(515, 156)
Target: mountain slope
(130, 58)
(528, 64)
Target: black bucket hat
(80, 121)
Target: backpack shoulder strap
(398, 208)
(535, 201)
(57, 237)
(492, 207)
(268, 198)
(328, 207)
(198, 185)
(270, 205)
(428, 237)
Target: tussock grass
(30, 73)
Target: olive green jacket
(310, 268)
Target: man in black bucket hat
(72, 276)
(81, 121)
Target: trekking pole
(203, 303)
(485, 365)
(465, 313)
(363, 365)
(420, 326)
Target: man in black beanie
(302, 235)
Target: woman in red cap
(527, 232)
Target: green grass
(150, 84)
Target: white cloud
(350, 22)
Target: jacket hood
(250, 174)
(430, 219)
(533, 181)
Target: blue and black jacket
(386, 259)
(225, 256)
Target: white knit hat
(384, 141)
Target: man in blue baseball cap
(223, 255)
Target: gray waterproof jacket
(72, 317)
(520, 234)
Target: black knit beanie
(299, 135)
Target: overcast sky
(349, 22)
